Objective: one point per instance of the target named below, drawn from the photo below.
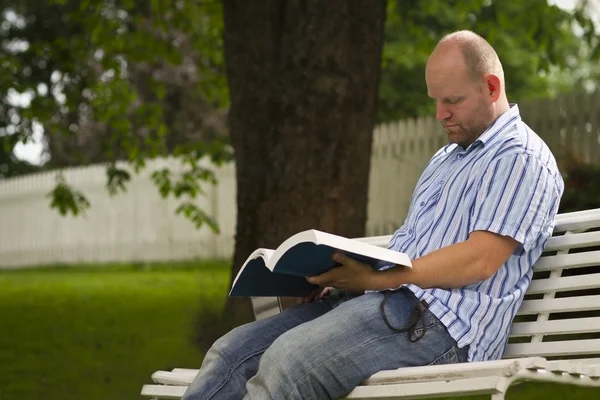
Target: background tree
(303, 108)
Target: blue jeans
(322, 350)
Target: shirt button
(422, 203)
(410, 231)
(460, 156)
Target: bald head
(465, 79)
(478, 56)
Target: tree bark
(303, 79)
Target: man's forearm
(454, 266)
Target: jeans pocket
(449, 357)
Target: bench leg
(498, 396)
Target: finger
(315, 280)
(324, 279)
(324, 293)
(311, 296)
(341, 258)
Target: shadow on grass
(212, 323)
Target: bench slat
(573, 241)
(564, 304)
(163, 391)
(186, 370)
(567, 283)
(560, 261)
(556, 327)
(573, 368)
(173, 378)
(423, 390)
(577, 220)
(455, 371)
(551, 349)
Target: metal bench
(555, 336)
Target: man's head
(465, 78)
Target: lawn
(99, 332)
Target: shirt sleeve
(514, 199)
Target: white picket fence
(140, 226)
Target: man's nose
(442, 113)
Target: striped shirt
(506, 182)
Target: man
(479, 218)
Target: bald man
(480, 217)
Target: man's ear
(493, 86)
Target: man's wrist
(386, 279)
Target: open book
(282, 272)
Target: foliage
(538, 48)
(73, 63)
(582, 185)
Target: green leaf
(66, 199)
(162, 179)
(198, 216)
(117, 179)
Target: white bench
(554, 338)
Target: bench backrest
(560, 315)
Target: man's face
(461, 103)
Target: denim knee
(286, 368)
(219, 349)
(233, 347)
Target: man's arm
(455, 266)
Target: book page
(361, 248)
(263, 253)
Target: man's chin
(457, 138)
(454, 135)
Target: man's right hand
(317, 294)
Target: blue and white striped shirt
(506, 182)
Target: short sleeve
(514, 199)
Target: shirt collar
(502, 122)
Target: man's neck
(502, 106)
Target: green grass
(99, 332)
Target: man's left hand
(350, 276)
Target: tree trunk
(303, 79)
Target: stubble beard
(468, 134)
